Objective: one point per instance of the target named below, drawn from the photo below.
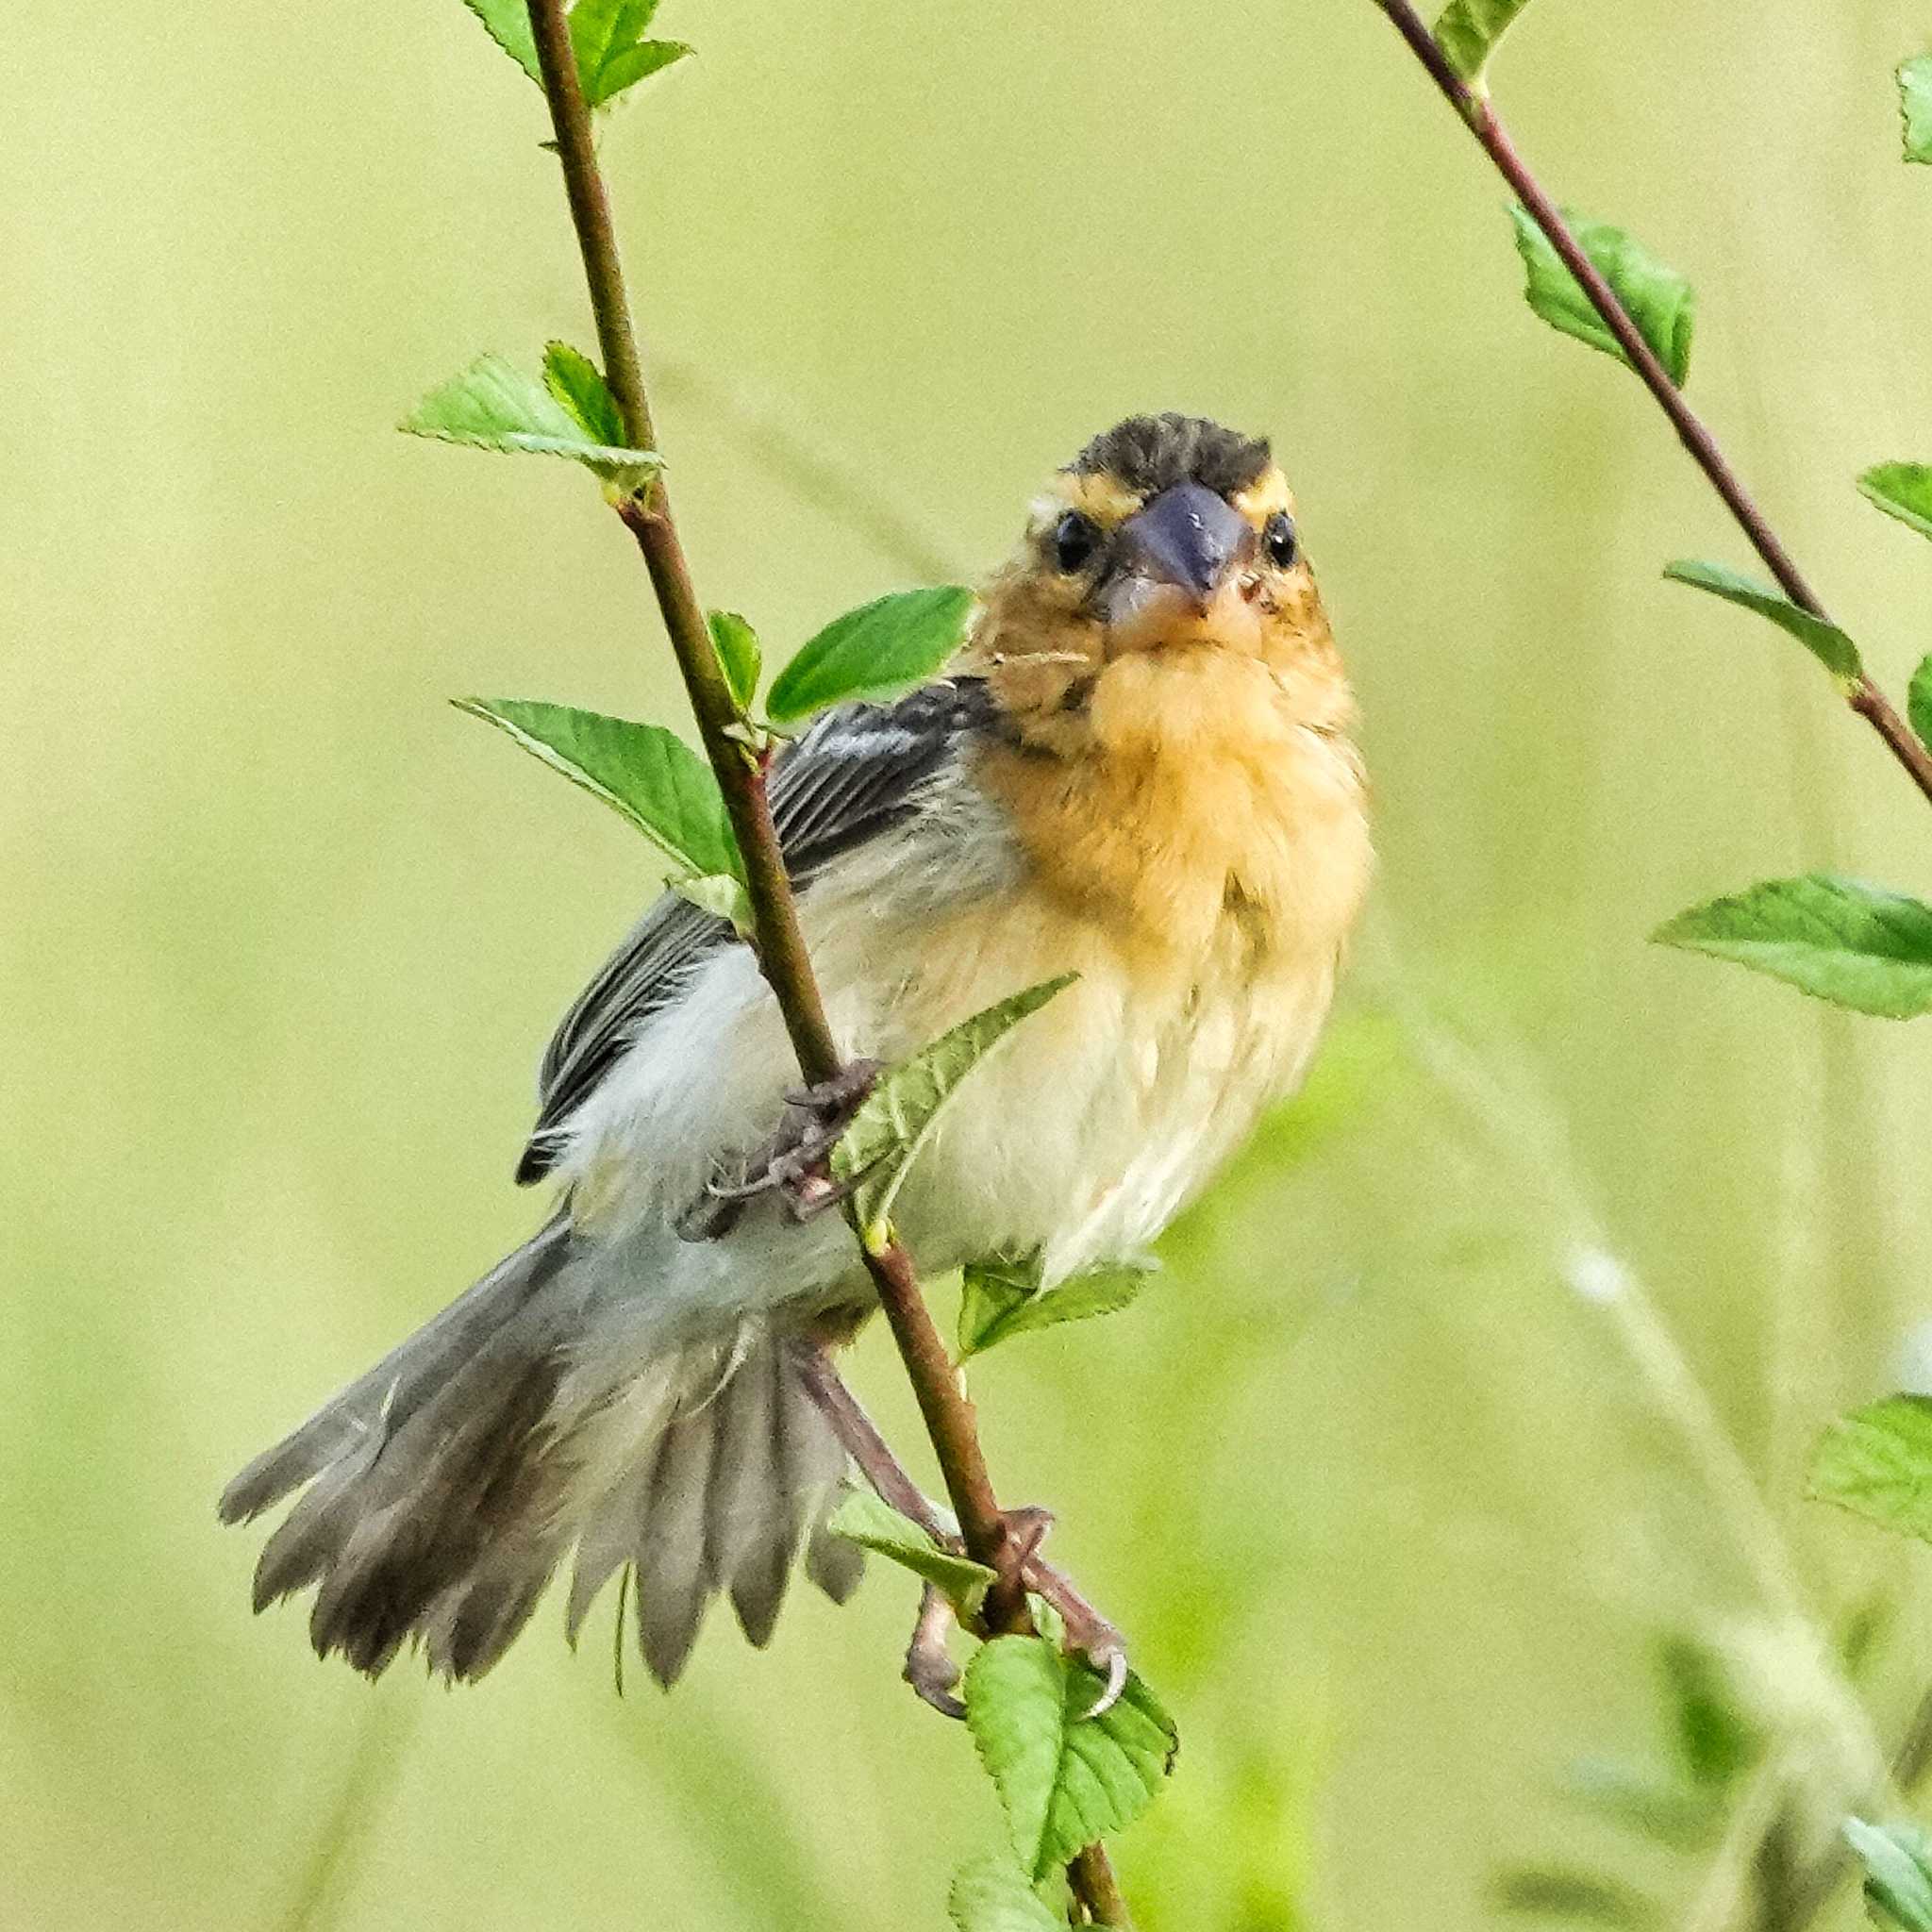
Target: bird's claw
(1089, 1635)
(841, 1096)
(929, 1670)
(790, 1161)
(1116, 1667)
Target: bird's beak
(1172, 558)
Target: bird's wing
(853, 776)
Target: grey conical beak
(1189, 538)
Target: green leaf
(738, 655)
(607, 37)
(1915, 107)
(863, 1519)
(877, 651)
(992, 1292)
(1825, 641)
(991, 1894)
(719, 895)
(578, 385)
(1659, 300)
(626, 67)
(494, 405)
(1903, 490)
(1716, 1743)
(1877, 1463)
(507, 23)
(1467, 32)
(1064, 1778)
(1919, 701)
(877, 1149)
(1898, 1871)
(1001, 1297)
(1854, 944)
(654, 778)
(1555, 1892)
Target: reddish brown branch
(777, 934)
(1865, 698)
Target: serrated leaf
(599, 27)
(1001, 1297)
(1915, 107)
(625, 68)
(1467, 32)
(1825, 641)
(1064, 1779)
(1898, 1871)
(877, 651)
(990, 1291)
(492, 405)
(740, 655)
(1856, 945)
(991, 1894)
(1557, 1892)
(1877, 1463)
(578, 385)
(863, 1519)
(1659, 300)
(507, 23)
(721, 896)
(1903, 490)
(878, 1147)
(642, 771)
(606, 35)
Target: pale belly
(1099, 1117)
(1081, 1134)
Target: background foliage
(1391, 1496)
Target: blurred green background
(1388, 1477)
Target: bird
(1141, 769)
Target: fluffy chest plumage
(1201, 877)
(1201, 880)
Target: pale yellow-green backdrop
(1384, 1476)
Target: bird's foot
(928, 1669)
(1089, 1635)
(790, 1161)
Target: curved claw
(930, 1672)
(1116, 1661)
(841, 1097)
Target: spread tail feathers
(445, 1486)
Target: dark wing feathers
(854, 775)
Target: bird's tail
(443, 1489)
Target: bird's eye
(1074, 541)
(1280, 539)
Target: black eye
(1074, 541)
(1280, 539)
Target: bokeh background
(1492, 1365)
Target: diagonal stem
(777, 934)
(1864, 696)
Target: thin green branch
(1864, 696)
(777, 934)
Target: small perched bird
(1140, 770)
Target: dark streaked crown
(1150, 453)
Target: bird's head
(1168, 541)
